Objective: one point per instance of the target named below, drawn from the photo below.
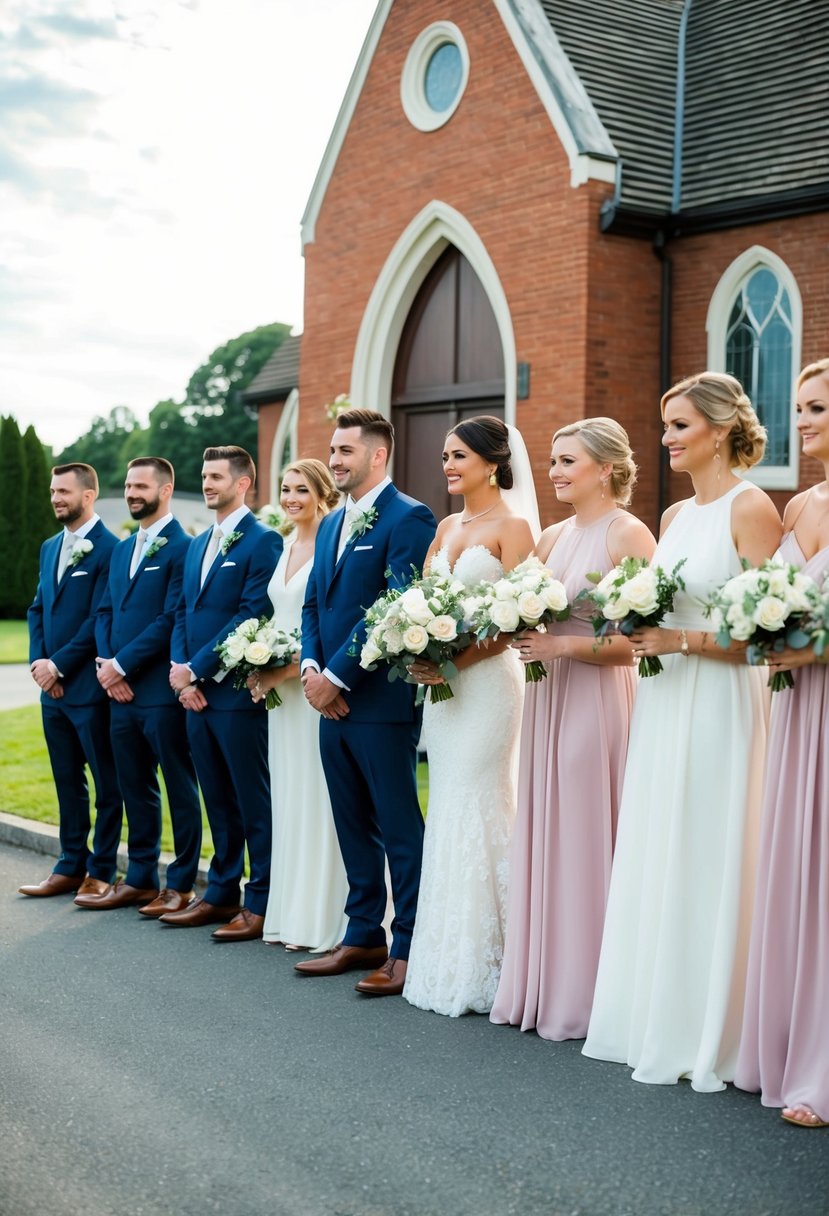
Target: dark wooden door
(449, 366)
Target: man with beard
(226, 576)
(73, 573)
(148, 727)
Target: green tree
(103, 445)
(13, 597)
(40, 518)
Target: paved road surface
(151, 1072)
(17, 688)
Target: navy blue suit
(369, 756)
(134, 626)
(229, 739)
(76, 725)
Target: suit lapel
(378, 505)
(242, 526)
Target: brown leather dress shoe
(198, 913)
(387, 981)
(93, 886)
(55, 884)
(167, 900)
(120, 895)
(343, 958)
(245, 927)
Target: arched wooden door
(449, 366)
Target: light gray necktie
(65, 553)
(351, 514)
(138, 551)
(212, 550)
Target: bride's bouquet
(527, 596)
(768, 607)
(253, 646)
(634, 595)
(428, 619)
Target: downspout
(659, 247)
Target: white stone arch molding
(287, 431)
(716, 327)
(411, 259)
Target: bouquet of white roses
(816, 624)
(274, 517)
(634, 595)
(428, 619)
(527, 596)
(766, 606)
(254, 645)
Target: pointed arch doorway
(449, 366)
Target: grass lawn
(27, 789)
(14, 642)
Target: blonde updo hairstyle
(723, 402)
(813, 369)
(606, 442)
(319, 478)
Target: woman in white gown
(471, 742)
(669, 991)
(308, 883)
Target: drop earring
(603, 484)
(493, 480)
(717, 457)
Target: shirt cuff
(118, 667)
(329, 675)
(306, 663)
(57, 674)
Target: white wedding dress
(471, 741)
(308, 883)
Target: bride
(471, 741)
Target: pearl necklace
(480, 514)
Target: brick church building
(550, 209)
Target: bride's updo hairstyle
(319, 478)
(606, 442)
(488, 438)
(722, 400)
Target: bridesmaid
(308, 884)
(671, 977)
(573, 745)
(784, 1052)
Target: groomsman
(369, 726)
(73, 573)
(226, 576)
(132, 631)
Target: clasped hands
(323, 695)
(44, 674)
(190, 696)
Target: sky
(156, 157)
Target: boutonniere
(363, 522)
(229, 541)
(79, 551)
(154, 546)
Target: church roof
(278, 376)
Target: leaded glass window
(442, 80)
(759, 344)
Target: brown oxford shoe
(344, 958)
(387, 981)
(198, 913)
(245, 927)
(167, 900)
(92, 886)
(55, 884)
(120, 895)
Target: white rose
(530, 606)
(504, 615)
(740, 626)
(392, 640)
(249, 628)
(770, 613)
(778, 582)
(505, 590)
(412, 604)
(370, 653)
(82, 546)
(640, 592)
(616, 608)
(415, 639)
(554, 596)
(801, 593)
(234, 649)
(456, 587)
(444, 628)
(258, 654)
(605, 587)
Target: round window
(434, 76)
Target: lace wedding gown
(471, 741)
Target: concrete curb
(43, 838)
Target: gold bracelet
(683, 644)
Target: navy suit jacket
(137, 615)
(62, 616)
(235, 589)
(339, 592)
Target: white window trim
(413, 77)
(287, 429)
(776, 477)
(407, 265)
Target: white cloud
(155, 160)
